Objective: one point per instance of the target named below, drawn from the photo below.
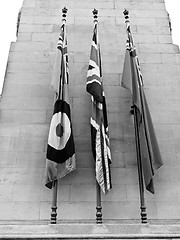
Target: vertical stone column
(27, 103)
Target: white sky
(8, 18)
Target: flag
(60, 157)
(99, 123)
(133, 81)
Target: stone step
(89, 231)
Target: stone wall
(27, 103)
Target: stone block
(8, 159)
(94, 4)
(132, 192)
(5, 192)
(24, 37)
(123, 145)
(26, 193)
(19, 210)
(5, 143)
(150, 29)
(156, 13)
(41, 103)
(116, 194)
(27, 19)
(29, 176)
(115, 131)
(23, 116)
(33, 78)
(80, 57)
(168, 58)
(81, 130)
(29, 4)
(81, 117)
(85, 160)
(7, 130)
(30, 28)
(170, 158)
(12, 90)
(39, 11)
(163, 21)
(125, 210)
(167, 174)
(30, 160)
(124, 175)
(164, 131)
(117, 158)
(54, 4)
(63, 193)
(8, 103)
(139, 21)
(118, 118)
(118, 104)
(33, 144)
(28, 67)
(171, 210)
(168, 191)
(83, 193)
(21, 175)
(67, 211)
(82, 144)
(141, 38)
(34, 130)
(130, 159)
(150, 58)
(30, 47)
(40, 37)
(160, 48)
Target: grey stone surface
(27, 103)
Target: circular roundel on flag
(60, 131)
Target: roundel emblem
(60, 131)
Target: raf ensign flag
(60, 150)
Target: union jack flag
(99, 123)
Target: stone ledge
(89, 231)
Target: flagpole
(140, 171)
(138, 148)
(98, 204)
(55, 182)
(54, 203)
(98, 189)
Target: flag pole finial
(126, 15)
(95, 13)
(64, 12)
